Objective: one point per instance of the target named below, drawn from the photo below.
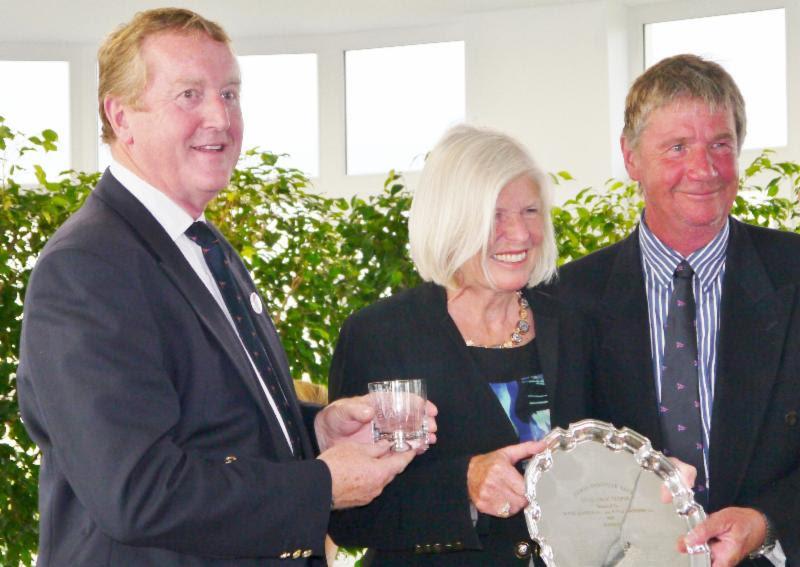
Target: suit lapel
(624, 338)
(546, 327)
(178, 270)
(481, 398)
(753, 323)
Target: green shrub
(315, 259)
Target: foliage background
(315, 259)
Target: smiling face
(686, 163)
(515, 240)
(184, 134)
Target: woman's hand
(495, 486)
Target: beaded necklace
(523, 326)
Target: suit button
(522, 549)
(437, 547)
(230, 459)
(791, 418)
(418, 548)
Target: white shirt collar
(167, 212)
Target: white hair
(452, 213)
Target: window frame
(640, 15)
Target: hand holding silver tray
(595, 500)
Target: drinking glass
(399, 413)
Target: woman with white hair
(500, 362)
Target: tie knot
(684, 270)
(201, 234)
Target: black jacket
(423, 516)
(755, 435)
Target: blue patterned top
(515, 376)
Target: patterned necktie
(240, 313)
(680, 397)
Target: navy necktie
(680, 397)
(219, 265)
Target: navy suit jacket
(158, 445)
(754, 457)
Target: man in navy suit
(164, 441)
(684, 128)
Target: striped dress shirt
(659, 262)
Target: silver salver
(595, 499)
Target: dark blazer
(423, 516)
(755, 435)
(158, 445)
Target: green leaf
(269, 159)
(40, 175)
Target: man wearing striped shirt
(684, 128)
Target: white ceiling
(88, 21)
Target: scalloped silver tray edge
(617, 440)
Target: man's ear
(630, 158)
(117, 115)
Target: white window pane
(400, 100)
(752, 48)
(35, 97)
(280, 107)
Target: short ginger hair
(122, 71)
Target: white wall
(542, 75)
(554, 75)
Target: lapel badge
(255, 302)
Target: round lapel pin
(255, 301)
